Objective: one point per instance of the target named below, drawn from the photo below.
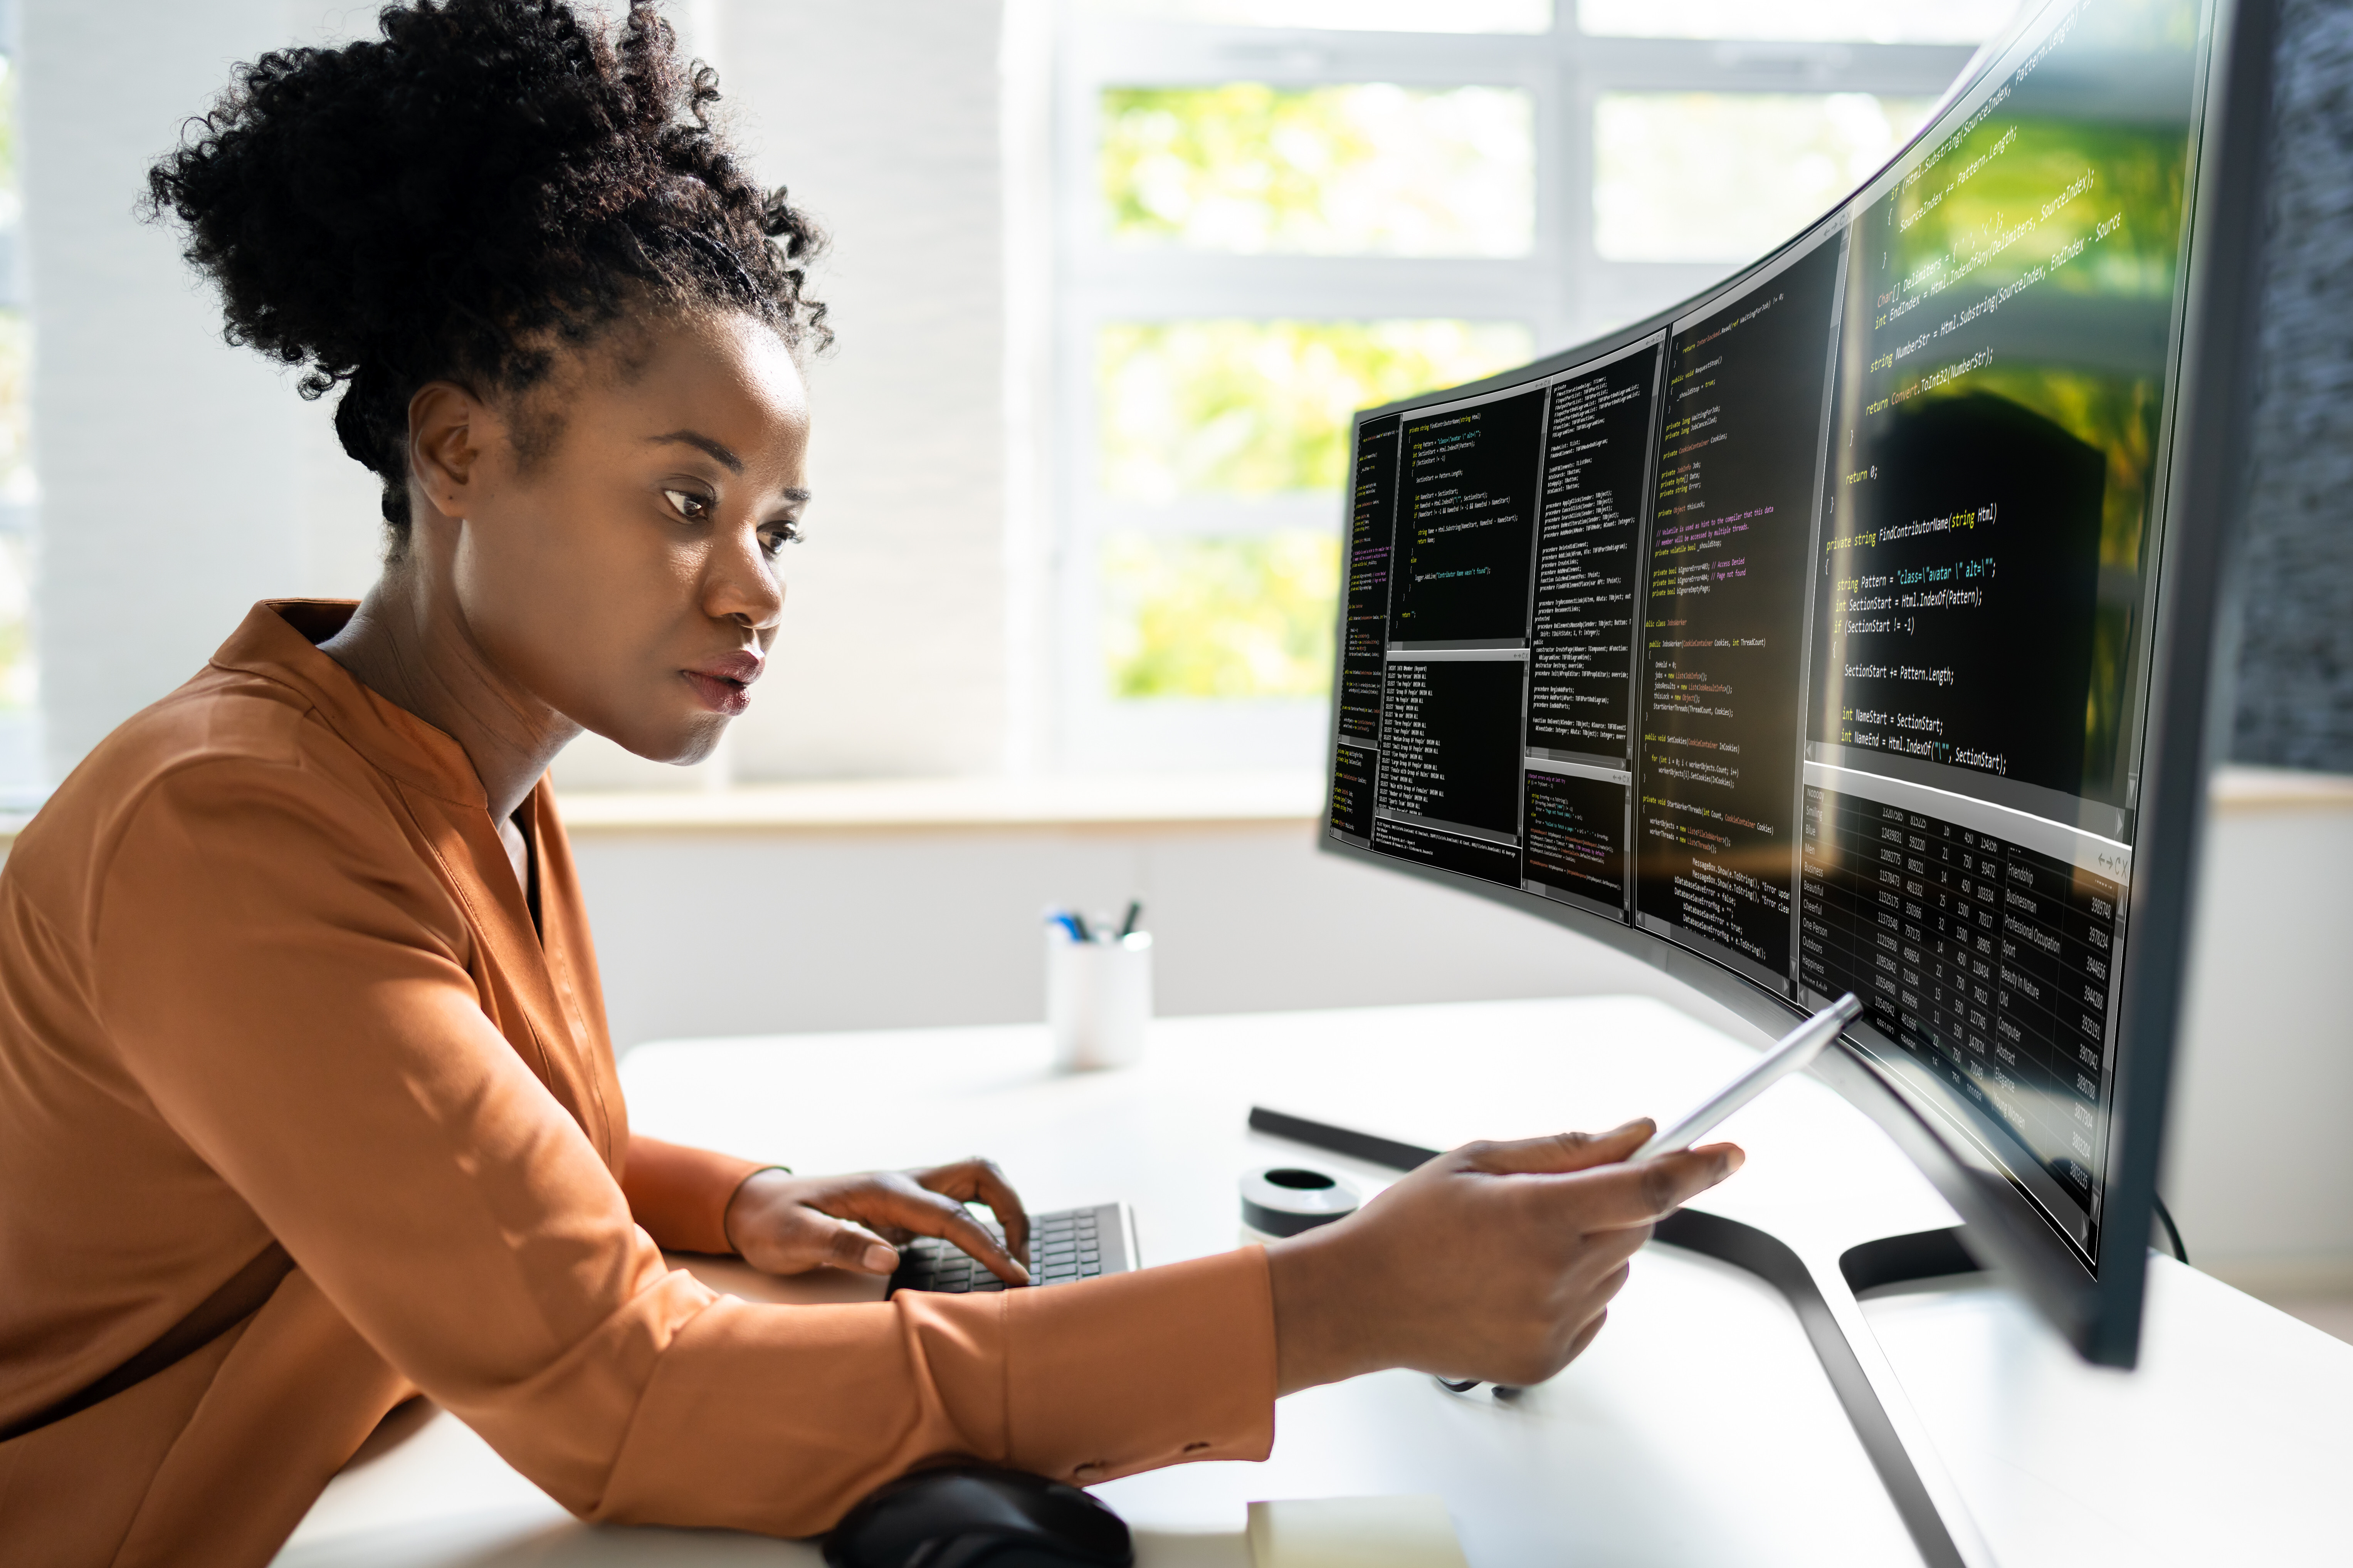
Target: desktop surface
(1698, 1428)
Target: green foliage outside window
(1222, 617)
(1375, 16)
(1727, 176)
(1234, 410)
(1355, 170)
(1242, 410)
(1251, 409)
(1878, 21)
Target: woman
(306, 1101)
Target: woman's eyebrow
(717, 450)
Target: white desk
(1698, 1428)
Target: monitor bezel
(2188, 689)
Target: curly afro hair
(488, 180)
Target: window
(1269, 213)
(1725, 176)
(21, 763)
(1828, 21)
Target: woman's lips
(718, 694)
(724, 684)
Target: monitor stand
(1833, 1332)
(1826, 1309)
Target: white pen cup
(1098, 999)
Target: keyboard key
(1063, 1246)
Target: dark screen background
(1449, 741)
(1959, 631)
(1466, 511)
(1589, 553)
(1576, 835)
(1722, 627)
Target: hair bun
(485, 178)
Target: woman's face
(622, 565)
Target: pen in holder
(1098, 990)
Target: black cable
(2172, 1231)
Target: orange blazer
(265, 974)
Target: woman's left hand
(785, 1224)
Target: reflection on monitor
(1809, 628)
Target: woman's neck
(408, 642)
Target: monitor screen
(1809, 628)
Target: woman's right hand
(785, 1224)
(1496, 1262)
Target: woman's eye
(691, 507)
(782, 535)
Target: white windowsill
(1139, 799)
(1121, 800)
(1044, 801)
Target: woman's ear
(445, 440)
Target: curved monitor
(1851, 626)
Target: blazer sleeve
(680, 1193)
(286, 981)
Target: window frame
(1562, 291)
(23, 765)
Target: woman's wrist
(727, 1211)
(1326, 1327)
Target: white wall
(2259, 1161)
(169, 490)
(771, 931)
(883, 116)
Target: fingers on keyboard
(1063, 1247)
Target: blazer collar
(278, 641)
